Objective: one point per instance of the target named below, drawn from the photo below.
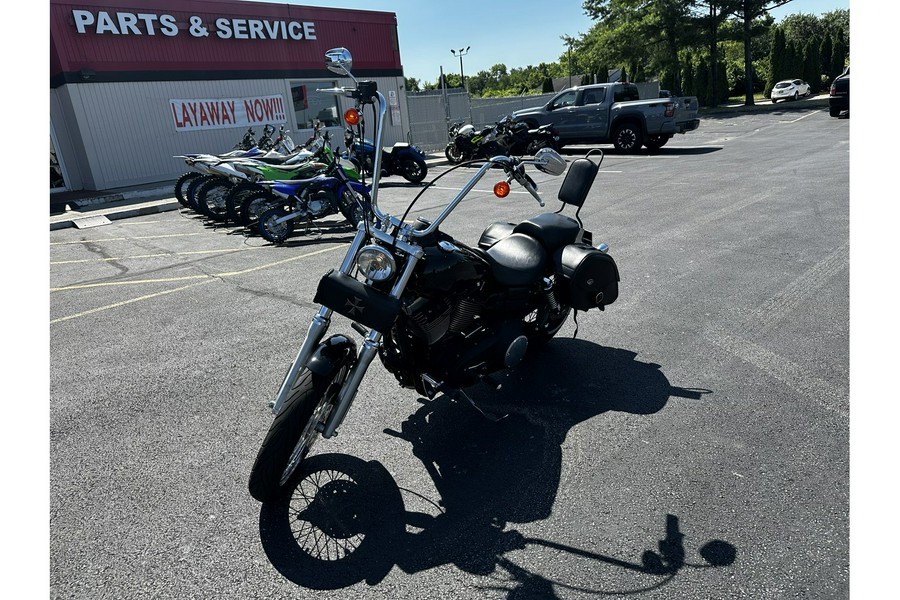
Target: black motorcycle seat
(517, 260)
(553, 230)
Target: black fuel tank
(446, 266)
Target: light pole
(461, 52)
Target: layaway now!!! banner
(223, 113)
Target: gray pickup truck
(611, 113)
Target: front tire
(413, 170)
(276, 233)
(453, 154)
(235, 198)
(354, 209)
(292, 434)
(628, 137)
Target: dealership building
(134, 83)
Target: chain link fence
(433, 111)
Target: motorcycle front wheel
(413, 170)
(354, 209)
(292, 434)
(453, 154)
(273, 231)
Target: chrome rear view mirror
(339, 60)
(548, 160)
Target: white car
(789, 89)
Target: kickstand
(314, 228)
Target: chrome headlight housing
(375, 263)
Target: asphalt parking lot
(689, 442)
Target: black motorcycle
(506, 137)
(520, 140)
(439, 314)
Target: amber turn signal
(501, 189)
(351, 116)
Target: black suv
(839, 95)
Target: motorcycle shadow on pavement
(348, 521)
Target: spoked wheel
(545, 322)
(354, 206)
(181, 186)
(271, 229)
(255, 204)
(292, 434)
(453, 154)
(211, 198)
(235, 198)
(193, 187)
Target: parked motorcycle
(439, 314)
(505, 137)
(403, 159)
(519, 140)
(336, 191)
(467, 143)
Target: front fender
(332, 354)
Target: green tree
(812, 63)
(777, 60)
(412, 84)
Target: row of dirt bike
(505, 138)
(270, 184)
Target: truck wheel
(628, 137)
(655, 142)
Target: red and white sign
(223, 113)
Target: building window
(311, 106)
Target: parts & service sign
(193, 115)
(129, 23)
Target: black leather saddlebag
(589, 278)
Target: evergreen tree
(777, 60)
(547, 87)
(811, 65)
(825, 57)
(838, 54)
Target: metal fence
(432, 112)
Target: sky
(517, 34)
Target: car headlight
(376, 263)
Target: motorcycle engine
(319, 205)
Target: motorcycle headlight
(376, 263)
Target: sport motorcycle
(440, 315)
